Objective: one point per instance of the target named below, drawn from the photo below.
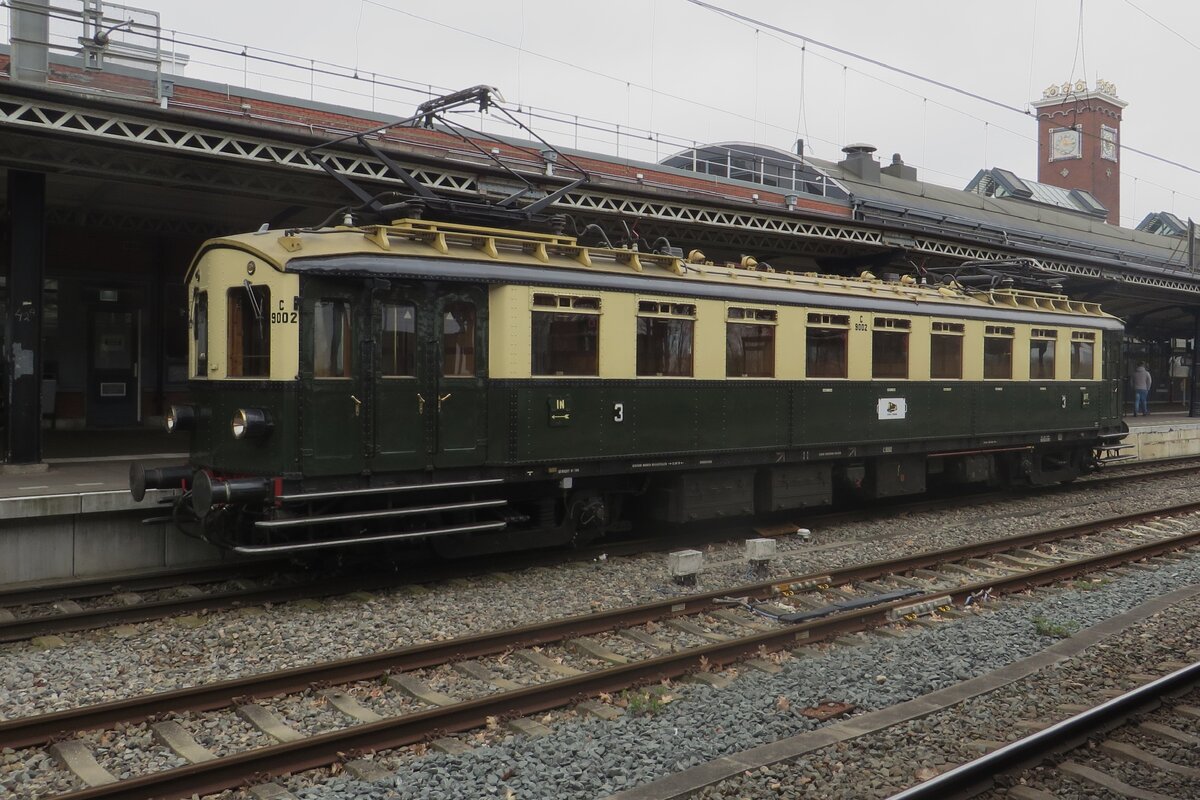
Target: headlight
(251, 423)
(180, 418)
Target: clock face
(1065, 143)
(1108, 143)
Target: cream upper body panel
(279, 256)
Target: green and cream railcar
(488, 389)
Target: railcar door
(403, 393)
(331, 375)
(460, 405)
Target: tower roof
(1060, 94)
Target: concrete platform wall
(1151, 443)
(85, 535)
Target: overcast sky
(688, 73)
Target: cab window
(200, 332)
(331, 339)
(249, 339)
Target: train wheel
(590, 514)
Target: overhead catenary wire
(1168, 28)
(851, 54)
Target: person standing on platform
(1141, 389)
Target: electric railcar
(488, 389)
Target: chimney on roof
(860, 162)
(898, 169)
(29, 26)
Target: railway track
(590, 655)
(1082, 749)
(123, 602)
(53, 608)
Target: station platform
(1162, 434)
(84, 471)
(73, 516)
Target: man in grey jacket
(1141, 389)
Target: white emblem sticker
(892, 408)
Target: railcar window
(945, 350)
(399, 351)
(566, 341)
(997, 352)
(826, 343)
(331, 339)
(200, 332)
(889, 348)
(1083, 354)
(665, 338)
(750, 343)
(1041, 354)
(249, 332)
(458, 339)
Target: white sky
(690, 74)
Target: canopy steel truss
(122, 138)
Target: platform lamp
(791, 200)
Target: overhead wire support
(432, 114)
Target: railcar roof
(499, 254)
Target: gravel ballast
(100, 666)
(588, 759)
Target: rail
(975, 777)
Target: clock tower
(1079, 141)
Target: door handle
(441, 398)
(420, 404)
(357, 405)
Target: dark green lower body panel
(212, 440)
(571, 420)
